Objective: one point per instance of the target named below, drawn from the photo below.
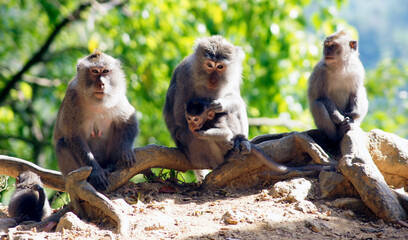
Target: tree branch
(12, 167)
(38, 56)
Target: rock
(389, 153)
(294, 190)
(72, 222)
(232, 217)
(354, 204)
(333, 185)
(5, 224)
(316, 225)
(306, 207)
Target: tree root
(82, 192)
(363, 163)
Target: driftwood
(84, 197)
(369, 165)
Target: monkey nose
(101, 85)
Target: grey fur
(336, 93)
(96, 131)
(191, 80)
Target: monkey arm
(358, 105)
(334, 113)
(73, 153)
(229, 102)
(81, 151)
(216, 134)
(41, 199)
(123, 139)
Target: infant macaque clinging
(336, 92)
(96, 125)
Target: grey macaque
(29, 201)
(212, 72)
(336, 93)
(96, 125)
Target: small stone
(294, 190)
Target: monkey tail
(279, 168)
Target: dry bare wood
(382, 154)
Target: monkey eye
(105, 70)
(94, 70)
(209, 65)
(195, 119)
(188, 118)
(220, 66)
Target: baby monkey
(29, 201)
(204, 122)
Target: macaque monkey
(212, 72)
(336, 93)
(29, 201)
(96, 125)
(205, 123)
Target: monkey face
(195, 122)
(332, 51)
(100, 78)
(215, 72)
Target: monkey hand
(217, 106)
(37, 187)
(127, 157)
(99, 178)
(343, 128)
(337, 118)
(347, 121)
(241, 145)
(229, 145)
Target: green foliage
(281, 39)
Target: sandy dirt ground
(163, 210)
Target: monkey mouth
(99, 94)
(212, 84)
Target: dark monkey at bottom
(29, 201)
(96, 125)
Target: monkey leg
(323, 120)
(66, 160)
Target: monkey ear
(353, 45)
(211, 115)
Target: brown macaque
(336, 93)
(29, 201)
(212, 72)
(204, 122)
(96, 125)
